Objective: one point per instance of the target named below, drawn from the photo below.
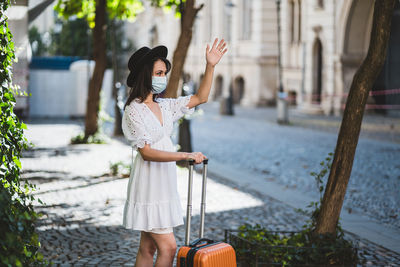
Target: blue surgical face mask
(159, 84)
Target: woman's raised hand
(198, 157)
(216, 52)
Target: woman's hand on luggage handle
(198, 157)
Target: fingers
(215, 43)
(198, 157)
(221, 45)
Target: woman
(153, 204)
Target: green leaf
(17, 162)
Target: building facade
(322, 45)
(251, 64)
(323, 42)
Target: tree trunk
(188, 15)
(99, 55)
(34, 12)
(352, 117)
(185, 140)
(116, 78)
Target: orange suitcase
(203, 252)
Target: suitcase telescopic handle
(201, 240)
(203, 199)
(189, 201)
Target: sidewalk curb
(355, 223)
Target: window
(228, 6)
(320, 3)
(206, 17)
(299, 21)
(295, 21)
(195, 37)
(292, 21)
(153, 36)
(246, 19)
(210, 22)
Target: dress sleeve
(178, 107)
(134, 129)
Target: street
(83, 207)
(287, 154)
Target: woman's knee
(168, 249)
(147, 250)
(173, 248)
(166, 244)
(147, 246)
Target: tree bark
(99, 55)
(352, 118)
(188, 15)
(116, 78)
(185, 140)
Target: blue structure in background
(52, 63)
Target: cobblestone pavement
(81, 225)
(287, 154)
(374, 126)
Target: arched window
(218, 87)
(238, 90)
(318, 66)
(320, 3)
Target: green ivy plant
(303, 247)
(19, 242)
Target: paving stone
(82, 218)
(251, 139)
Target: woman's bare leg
(146, 251)
(166, 249)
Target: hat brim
(158, 51)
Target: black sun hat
(141, 57)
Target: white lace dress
(152, 195)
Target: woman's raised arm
(213, 56)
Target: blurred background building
(18, 24)
(322, 45)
